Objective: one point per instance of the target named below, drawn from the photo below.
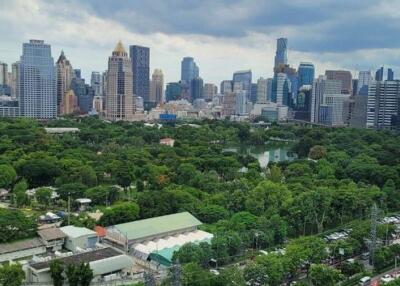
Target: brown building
(344, 77)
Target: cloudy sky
(222, 35)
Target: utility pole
(69, 209)
(374, 222)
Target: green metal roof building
(152, 228)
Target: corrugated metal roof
(157, 225)
(74, 231)
(20, 245)
(51, 233)
(111, 264)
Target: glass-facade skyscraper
(140, 57)
(306, 73)
(189, 70)
(38, 98)
(281, 52)
(245, 78)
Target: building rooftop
(51, 233)
(85, 257)
(74, 232)
(157, 225)
(57, 130)
(20, 245)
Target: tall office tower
(69, 103)
(226, 86)
(306, 74)
(65, 73)
(3, 74)
(38, 97)
(140, 57)
(253, 93)
(281, 52)
(322, 87)
(241, 103)
(98, 104)
(14, 80)
(364, 80)
(281, 87)
(262, 84)
(95, 83)
(344, 77)
(383, 104)
(84, 94)
(119, 95)
(196, 88)
(209, 91)
(103, 83)
(303, 103)
(355, 86)
(77, 73)
(379, 74)
(390, 75)
(173, 91)
(229, 104)
(269, 89)
(359, 117)
(157, 87)
(189, 69)
(244, 78)
(332, 109)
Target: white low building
(21, 249)
(79, 238)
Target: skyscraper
(322, 87)
(241, 103)
(226, 86)
(3, 74)
(281, 87)
(65, 73)
(38, 98)
(306, 73)
(390, 74)
(196, 88)
(244, 78)
(69, 103)
(262, 90)
(157, 87)
(173, 91)
(379, 74)
(189, 69)
(14, 80)
(209, 91)
(364, 80)
(95, 83)
(119, 95)
(281, 52)
(383, 104)
(344, 77)
(140, 57)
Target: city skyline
(218, 51)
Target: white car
(386, 278)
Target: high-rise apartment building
(262, 85)
(3, 74)
(119, 95)
(157, 87)
(344, 77)
(364, 80)
(241, 103)
(95, 83)
(65, 73)
(243, 78)
(281, 89)
(69, 103)
(281, 57)
(140, 57)
(322, 87)
(38, 98)
(14, 80)
(209, 91)
(189, 70)
(306, 73)
(383, 104)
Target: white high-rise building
(209, 91)
(14, 80)
(322, 86)
(38, 97)
(241, 102)
(283, 88)
(157, 87)
(262, 86)
(383, 103)
(119, 95)
(95, 83)
(332, 110)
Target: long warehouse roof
(157, 225)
